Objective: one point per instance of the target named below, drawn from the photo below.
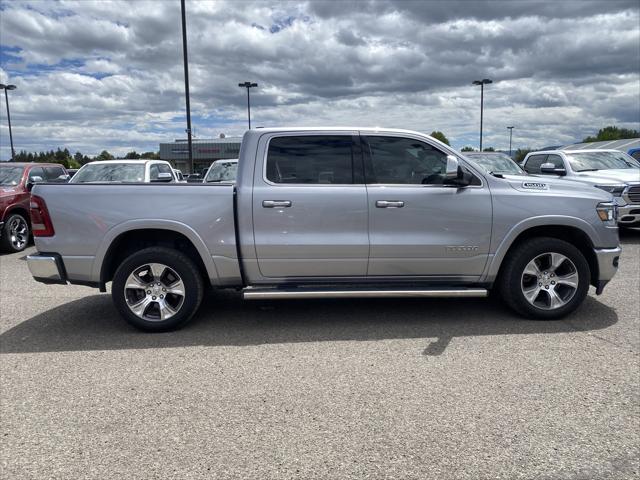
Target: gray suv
(609, 170)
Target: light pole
(186, 81)
(6, 97)
(510, 136)
(482, 83)
(248, 85)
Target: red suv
(16, 181)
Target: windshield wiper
(589, 170)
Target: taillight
(41, 225)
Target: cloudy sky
(108, 74)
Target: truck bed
(87, 218)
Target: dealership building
(205, 152)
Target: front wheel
(157, 289)
(15, 234)
(545, 278)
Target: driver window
(397, 160)
(36, 172)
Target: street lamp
(482, 83)
(6, 97)
(510, 136)
(248, 85)
(186, 81)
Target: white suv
(125, 171)
(610, 170)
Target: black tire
(173, 259)
(511, 277)
(8, 241)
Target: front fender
(503, 247)
(169, 225)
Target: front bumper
(628, 214)
(608, 259)
(47, 268)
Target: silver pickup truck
(330, 213)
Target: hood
(626, 175)
(8, 191)
(538, 185)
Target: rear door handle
(389, 204)
(276, 203)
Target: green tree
(467, 149)
(489, 149)
(104, 155)
(521, 153)
(150, 155)
(440, 136)
(132, 155)
(613, 133)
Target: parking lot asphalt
(407, 389)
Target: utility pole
(186, 82)
(510, 136)
(6, 97)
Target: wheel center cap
(156, 290)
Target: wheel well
(19, 210)
(573, 235)
(130, 242)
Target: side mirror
(163, 177)
(550, 169)
(32, 181)
(63, 178)
(453, 165)
(455, 175)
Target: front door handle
(389, 204)
(276, 203)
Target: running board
(252, 293)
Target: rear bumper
(47, 268)
(607, 266)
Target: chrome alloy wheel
(18, 232)
(549, 281)
(154, 292)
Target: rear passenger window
(533, 163)
(318, 159)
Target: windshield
(10, 175)
(222, 172)
(497, 163)
(590, 161)
(116, 172)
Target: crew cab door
(310, 206)
(417, 225)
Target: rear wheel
(545, 278)
(157, 289)
(15, 234)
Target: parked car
(496, 163)
(125, 171)
(71, 172)
(179, 177)
(222, 171)
(610, 170)
(194, 178)
(16, 180)
(318, 213)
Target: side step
(253, 293)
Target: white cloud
(108, 74)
